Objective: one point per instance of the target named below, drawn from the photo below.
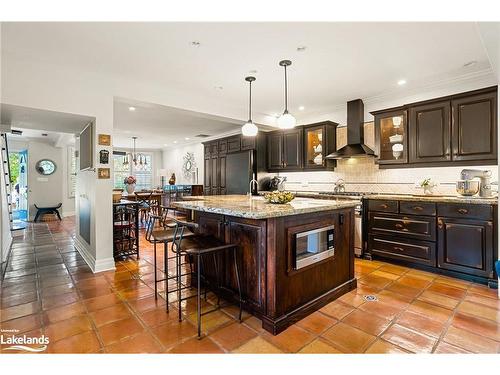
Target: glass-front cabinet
(391, 137)
(319, 141)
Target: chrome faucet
(339, 186)
(484, 176)
(253, 181)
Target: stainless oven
(314, 245)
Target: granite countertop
(435, 198)
(257, 208)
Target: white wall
(173, 160)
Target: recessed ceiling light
(301, 48)
(470, 63)
(165, 144)
(218, 87)
(195, 43)
(187, 138)
(402, 82)
(131, 109)
(253, 71)
(175, 141)
(301, 108)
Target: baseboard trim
(96, 266)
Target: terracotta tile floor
(48, 289)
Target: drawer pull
(418, 208)
(463, 211)
(398, 225)
(398, 248)
(383, 205)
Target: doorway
(18, 162)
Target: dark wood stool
(197, 246)
(47, 210)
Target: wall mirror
(45, 167)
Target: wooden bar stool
(197, 246)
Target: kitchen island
(281, 283)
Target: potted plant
(428, 185)
(130, 182)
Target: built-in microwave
(314, 246)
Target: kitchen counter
(256, 207)
(274, 287)
(435, 198)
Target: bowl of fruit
(279, 197)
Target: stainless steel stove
(358, 219)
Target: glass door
(314, 147)
(391, 137)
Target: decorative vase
(429, 190)
(130, 188)
(171, 181)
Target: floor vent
(370, 298)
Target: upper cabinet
(474, 132)
(319, 140)
(459, 129)
(430, 132)
(302, 148)
(391, 137)
(284, 149)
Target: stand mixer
(468, 175)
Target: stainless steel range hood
(355, 147)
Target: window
(143, 174)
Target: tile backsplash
(364, 175)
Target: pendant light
(286, 120)
(134, 156)
(249, 129)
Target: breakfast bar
(294, 257)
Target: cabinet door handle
(398, 248)
(463, 211)
(440, 224)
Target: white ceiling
(158, 126)
(342, 61)
(42, 120)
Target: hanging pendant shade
(249, 129)
(286, 120)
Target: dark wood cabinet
(466, 246)
(474, 132)
(292, 149)
(459, 129)
(216, 153)
(234, 144)
(222, 173)
(207, 168)
(452, 238)
(430, 132)
(285, 149)
(214, 175)
(275, 150)
(391, 136)
(320, 140)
